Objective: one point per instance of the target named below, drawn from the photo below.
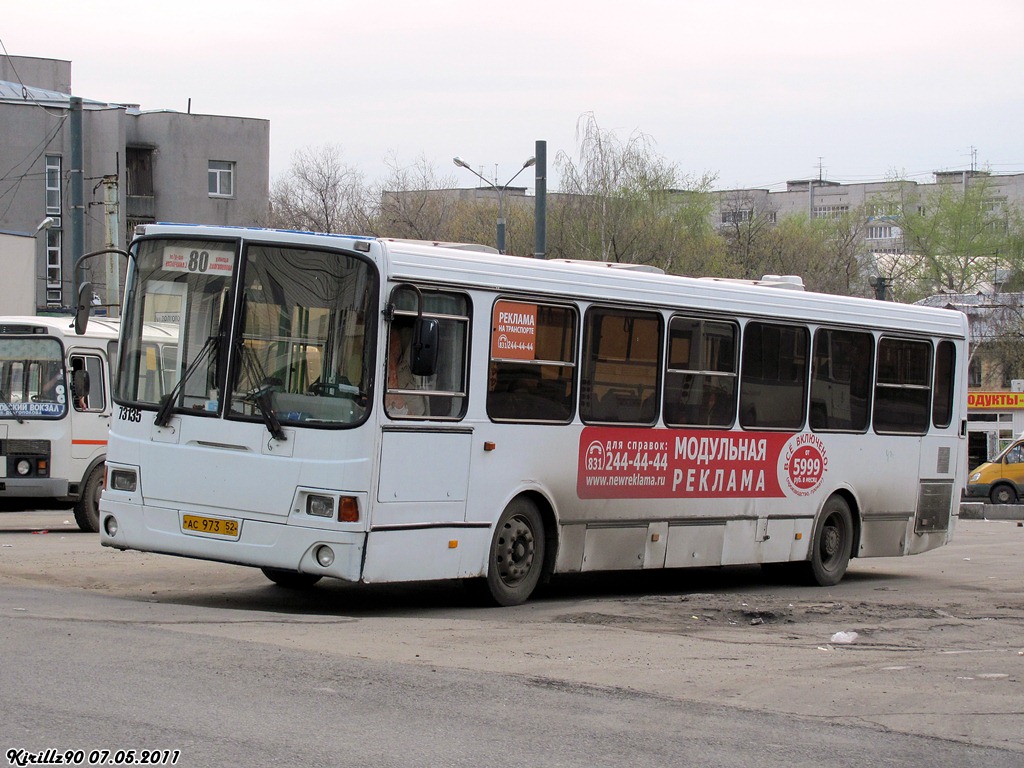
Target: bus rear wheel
(87, 508)
(516, 557)
(832, 544)
(291, 579)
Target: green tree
(958, 236)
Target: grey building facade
(820, 198)
(136, 167)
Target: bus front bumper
(33, 487)
(258, 543)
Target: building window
(54, 270)
(53, 184)
(880, 233)
(830, 211)
(139, 171)
(222, 178)
(974, 373)
(737, 216)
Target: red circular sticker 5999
(804, 462)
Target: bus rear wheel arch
(832, 543)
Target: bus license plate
(211, 526)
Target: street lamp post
(501, 193)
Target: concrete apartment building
(136, 166)
(819, 198)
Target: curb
(976, 510)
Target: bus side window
(532, 370)
(700, 374)
(841, 380)
(774, 376)
(88, 391)
(621, 366)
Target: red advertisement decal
(638, 463)
(514, 331)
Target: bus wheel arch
(834, 541)
(521, 551)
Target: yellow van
(1002, 479)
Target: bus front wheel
(516, 557)
(87, 508)
(832, 544)
(291, 579)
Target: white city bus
(383, 411)
(55, 412)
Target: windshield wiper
(263, 395)
(163, 414)
(5, 400)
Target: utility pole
(77, 180)
(540, 202)
(111, 210)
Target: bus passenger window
(902, 386)
(700, 377)
(774, 376)
(532, 371)
(841, 380)
(621, 366)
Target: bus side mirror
(80, 383)
(82, 310)
(424, 347)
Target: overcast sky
(753, 91)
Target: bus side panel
(425, 554)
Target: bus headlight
(23, 467)
(320, 506)
(110, 526)
(123, 480)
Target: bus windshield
(32, 383)
(297, 352)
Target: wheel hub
(515, 551)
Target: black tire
(832, 544)
(1003, 494)
(516, 558)
(291, 579)
(87, 508)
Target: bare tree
(619, 201)
(414, 202)
(319, 193)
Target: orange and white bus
(381, 411)
(55, 412)
(55, 408)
